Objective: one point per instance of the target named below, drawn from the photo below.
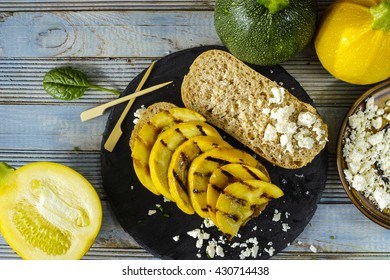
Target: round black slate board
(131, 202)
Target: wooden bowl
(381, 94)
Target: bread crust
(253, 109)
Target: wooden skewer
(99, 110)
(117, 132)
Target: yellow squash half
(353, 40)
(48, 211)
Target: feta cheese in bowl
(363, 154)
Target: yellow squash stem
(5, 171)
(381, 14)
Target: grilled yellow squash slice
(240, 200)
(166, 144)
(147, 135)
(180, 163)
(225, 175)
(203, 166)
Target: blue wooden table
(112, 41)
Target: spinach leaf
(68, 84)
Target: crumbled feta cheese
(200, 235)
(270, 133)
(377, 123)
(304, 141)
(367, 154)
(306, 119)
(208, 223)
(266, 111)
(276, 217)
(381, 197)
(278, 93)
(194, 233)
(285, 227)
(138, 113)
(176, 238)
(270, 251)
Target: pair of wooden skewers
(116, 133)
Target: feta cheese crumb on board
(366, 152)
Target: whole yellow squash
(353, 40)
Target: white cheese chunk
(306, 119)
(270, 133)
(278, 93)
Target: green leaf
(68, 84)
(65, 83)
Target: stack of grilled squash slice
(180, 156)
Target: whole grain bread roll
(253, 109)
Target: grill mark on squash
(179, 181)
(233, 217)
(197, 191)
(139, 164)
(165, 144)
(201, 130)
(200, 174)
(217, 160)
(250, 172)
(235, 199)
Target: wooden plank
(82, 5)
(99, 5)
(47, 5)
(334, 229)
(103, 34)
(32, 127)
(21, 79)
(342, 228)
(41, 127)
(88, 164)
(59, 127)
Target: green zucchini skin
(252, 34)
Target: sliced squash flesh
(147, 136)
(48, 211)
(240, 200)
(166, 144)
(203, 166)
(224, 176)
(180, 162)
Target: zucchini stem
(274, 6)
(381, 14)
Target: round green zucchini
(265, 32)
